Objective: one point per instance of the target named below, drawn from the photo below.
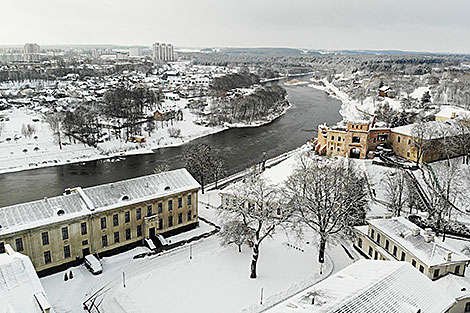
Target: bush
(174, 132)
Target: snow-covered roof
(20, 288)
(369, 286)
(435, 129)
(46, 211)
(455, 285)
(447, 111)
(432, 253)
(102, 197)
(140, 189)
(384, 88)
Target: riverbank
(21, 153)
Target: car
(93, 264)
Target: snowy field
(39, 150)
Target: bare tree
(55, 123)
(234, 232)
(255, 204)
(329, 196)
(423, 139)
(396, 191)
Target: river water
(240, 148)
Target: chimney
(416, 232)
(387, 215)
(428, 236)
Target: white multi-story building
(163, 52)
(31, 52)
(134, 52)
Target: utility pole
(124, 279)
(190, 251)
(261, 300)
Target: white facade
(163, 52)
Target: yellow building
(399, 239)
(354, 140)
(58, 232)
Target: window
(160, 223)
(180, 218)
(83, 227)
(84, 242)
(128, 234)
(160, 208)
(359, 242)
(116, 237)
(337, 149)
(421, 269)
(339, 138)
(65, 233)
(467, 307)
(45, 238)
(332, 137)
(408, 154)
(47, 257)
(138, 213)
(127, 216)
(115, 220)
(376, 255)
(19, 244)
(139, 230)
(180, 202)
(378, 238)
(398, 138)
(189, 199)
(403, 256)
(103, 222)
(104, 241)
(409, 141)
(413, 262)
(370, 251)
(189, 215)
(372, 233)
(356, 139)
(386, 244)
(170, 221)
(66, 252)
(331, 148)
(395, 251)
(2, 247)
(170, 205)
(457, 270)
(149, 210)
(436, 273)
(375, 140)
(278, 211)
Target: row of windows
(104, 238)
(48, 258)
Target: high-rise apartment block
(163, 52)
(31, 52)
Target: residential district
(370, 214)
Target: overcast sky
(420, 25)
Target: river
(240, 148)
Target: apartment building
(105, 219)
(163, 52)
(399, 239)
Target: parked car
(93, 264)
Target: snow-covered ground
(39, 150)
(30, 153)
(215, 279)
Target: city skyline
(365, 25)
